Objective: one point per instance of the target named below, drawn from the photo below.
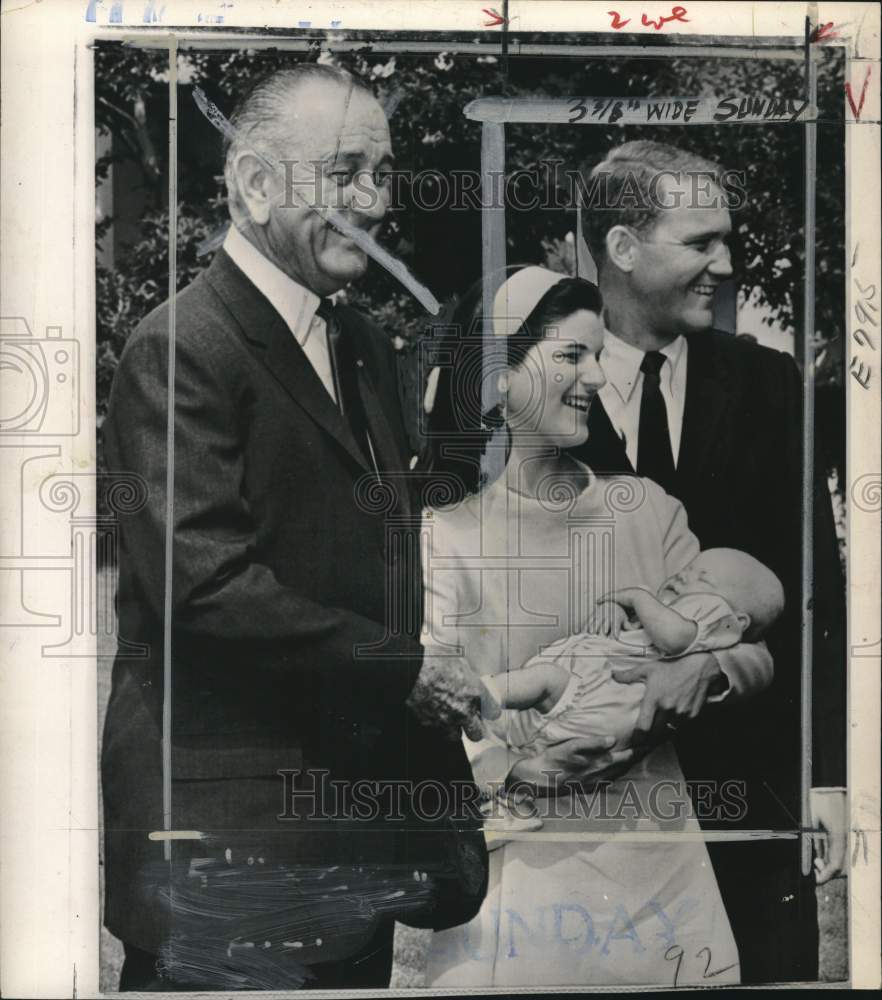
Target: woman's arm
(495, 764)
(490, 758)
(678, 690)
(746, 668)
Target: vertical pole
(170, 441)
(808, 450)
(504, 52)
(493, 266)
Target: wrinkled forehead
(326, 118)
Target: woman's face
(551, 391)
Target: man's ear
(256, 185)
(744, 621)
(621, 248)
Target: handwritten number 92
(675, 954)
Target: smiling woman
(510, 571)
(553, 333)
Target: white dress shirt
(624, 386)
(294, 303)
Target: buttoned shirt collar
(622, 394)
(621, 363)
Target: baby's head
(752, 589)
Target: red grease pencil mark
(495, 15)
(823, 32)
(856, 111)
(677, 14)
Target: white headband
(514, 301)
(519, 296)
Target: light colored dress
(573, 904)
(593, 701)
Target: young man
(717, 422)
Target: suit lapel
(382, 437)
(708, 397)
(276, 347)
(709, 394)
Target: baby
(721, 598)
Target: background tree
(424, 95)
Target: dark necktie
(345, 375)
(655, 458)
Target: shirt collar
(621, 362)
(294, 303)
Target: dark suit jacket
(739, 478)
(281, 578)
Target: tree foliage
(425, 95)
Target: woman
(513, 564)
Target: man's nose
(721, 265)
(369, 199)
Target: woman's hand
(583, 761)
(676, 692)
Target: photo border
(48, 783)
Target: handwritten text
(677, 14)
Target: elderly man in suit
(716, 421)
(291, 612)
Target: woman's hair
(459, 429)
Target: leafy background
(429, 132)
(425, 94)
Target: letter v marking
(856, 111)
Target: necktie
(654, 456)
(345, 375)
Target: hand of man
(676, 691)
(583, 760)
(830, 819)
(448, 694)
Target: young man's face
(338, 155)
(683, 258)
